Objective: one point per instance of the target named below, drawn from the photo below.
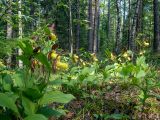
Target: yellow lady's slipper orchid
(58, 58)
(53, 37)
(53, 54)
(94, 57)
(1, 64)
(125, 55)
(61, 66)
(146, 44)
(112, 57)
(75, 58)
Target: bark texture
(156, 42)
(118, 31)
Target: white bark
(9, 29)
(20, 64)
(70, 28)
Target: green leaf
(6, 101)
(56, 96)
(116, 116)
(141, 74)
(32, 93)
(7, 82)
(24, 59)
(36, 117)
(26, 47)
(119, 116)
(140, 60)
(18, 79)
(48, 112)
(47, 30)
(43, 59)
(5, 117)
(29, 106)
(127, 70)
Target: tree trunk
(70, 28)
(134, 26)
(20, 64)
(129, 23)
(139, 19)
(98, 28)
(95, 28)
(118, 31)
(9, 30)
(78, 27)
(156, 42)
(90, 31)
(124, 23)
(39, 14)
(108, 22)
(9, 25)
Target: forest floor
(112, 102)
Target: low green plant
(25, 95)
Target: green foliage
(6, 47)
(7, 101)
(26, 94)
(36, 117)
(112, 116)
(55, 96)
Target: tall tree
(95, 26)
(78, 26)
(134, 26)
(90, 31)
(129, 24)
(108, 18)
(9, 21)
(156, 42)
(98, 27)
(20, 64)
(9, 28)
(140, 18)
(70, 27)
(118, 31)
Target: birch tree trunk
(9, 25)
(20, 64)
(9, 30)
(70, 28)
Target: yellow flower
(112, 57)
(53, 37)
(1, 64)
(35, 62)
(125, 55)
(58, 58)
(83, 63)
(54, 55)
(75, 58)
(142, 52)
(129, 58)
(61, 66)
(146, 44)
(94, 57)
